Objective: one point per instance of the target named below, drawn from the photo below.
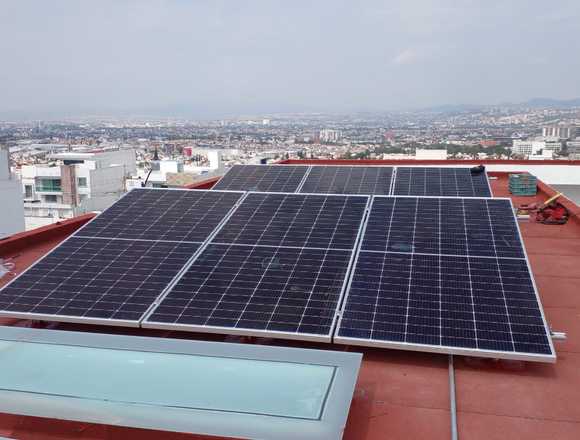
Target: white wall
(430, 154)
(12, 216)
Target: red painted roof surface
(405, 395)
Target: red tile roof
(405, 395)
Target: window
(27, 191)
(82, 182)
(50, 198)
(49, 185)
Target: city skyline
(220, 59)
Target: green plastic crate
(523, 184)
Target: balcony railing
(49, 188)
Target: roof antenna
(154, 165)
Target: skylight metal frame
(329, 425)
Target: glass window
(49, 185)
(50, 198)
(82, 182)
(28, 191)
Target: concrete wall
(107, 185)
(124, 158)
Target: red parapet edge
(22, 240)
(425, 162)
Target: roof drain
(453, 407)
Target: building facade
(544, 148)
(76, 183)
(560, 131)
(12, 217)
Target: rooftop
(402, 394)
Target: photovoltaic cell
(266, 178)
(95, 278)
(113, 269)
(255, 289)
(445, 275)
(453, 182)
(295, 220)
(348, 180)
(169, 215)
(277, 267)
(464, 302)
(450, 226)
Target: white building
(559, 131)
(574, 149)
(330, 136)
(75, 183)
(12, 217)
(430, 154)
(529, 148)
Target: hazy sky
(208, 58)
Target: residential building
(528, 148)
(560, 131)
(574, 149)
(12, 218)
(330, 136)
(76, 183)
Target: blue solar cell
(444, 301)
(431, 181)
(169, 215)
(295, 220)
(98, 279)
(444, 274)
(348, 180)
(116, 266)
(249, 289)
(452, 226)
(267, 178)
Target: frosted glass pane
(163, 379)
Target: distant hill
(534, 102)
(549, 102)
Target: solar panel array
(371, 180)
(114, 268)
(447, 275)
(278, 266)
(348, 180)
(426, 181)
(279, 178)
(444, 274)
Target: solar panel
(295, 220)
(348, 180)
(252, 289)
(453, 182)
(157, 214)
(113, 269)
(99, 279)
(444, 275)
(450, 226)
(268, 178)
(277, 267)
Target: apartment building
(76, 183)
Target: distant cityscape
(66, 168)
